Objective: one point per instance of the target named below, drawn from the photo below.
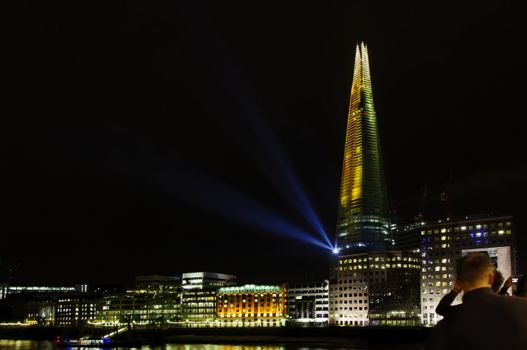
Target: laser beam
(291, 188)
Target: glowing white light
(335, 250)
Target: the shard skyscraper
(363, 207)
(371, 283)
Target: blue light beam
(291, 188)
(220, 199)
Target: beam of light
(233, 83)
(285, 181)
(201, 191)
(220, 199)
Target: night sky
(143, 138)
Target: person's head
(521, 287)
(475, 271)
(498, 281)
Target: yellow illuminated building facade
(251, 306)
(363, 209)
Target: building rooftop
(248, 288)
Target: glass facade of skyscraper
(363, 207)
(374, 284)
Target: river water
(46, 345)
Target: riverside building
(206, 280)
(198, 297)
(158, 283)
(74, 310)
(155, 301)
(139, 308)
(251, 306)
(445, 241)
(376, 288)
(7, 289)
(308, 303)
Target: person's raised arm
(506, 286)
(446, 302)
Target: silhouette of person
(484, 320)
(446, 302)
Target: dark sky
(139, 137)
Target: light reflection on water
(47, 345)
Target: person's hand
(508, 283)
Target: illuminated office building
(206, 280)
(308, 303)
(154, 301)
(251, 306)
(198, 297)
(158, 283)
(363, 207)
(445, 241)
(106, 288)
(74, 310)
(7, 289)
(406, 234)
(140, 307)
(376, 288)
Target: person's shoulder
(508, 304)
(511, 300)
(491, 303)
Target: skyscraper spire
(363, 211)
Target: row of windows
(437, 284)
(200, 310)
(469, 227)
(193, 305)
(464, 244)
(377, 259)
(437, 268)
(357, 315)
(352, 323)
(438, 291)
(360, 301)
(250, 314)
(471, 235)
(448, 276)
(382, 267)
(437, 261)
(350, 294)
